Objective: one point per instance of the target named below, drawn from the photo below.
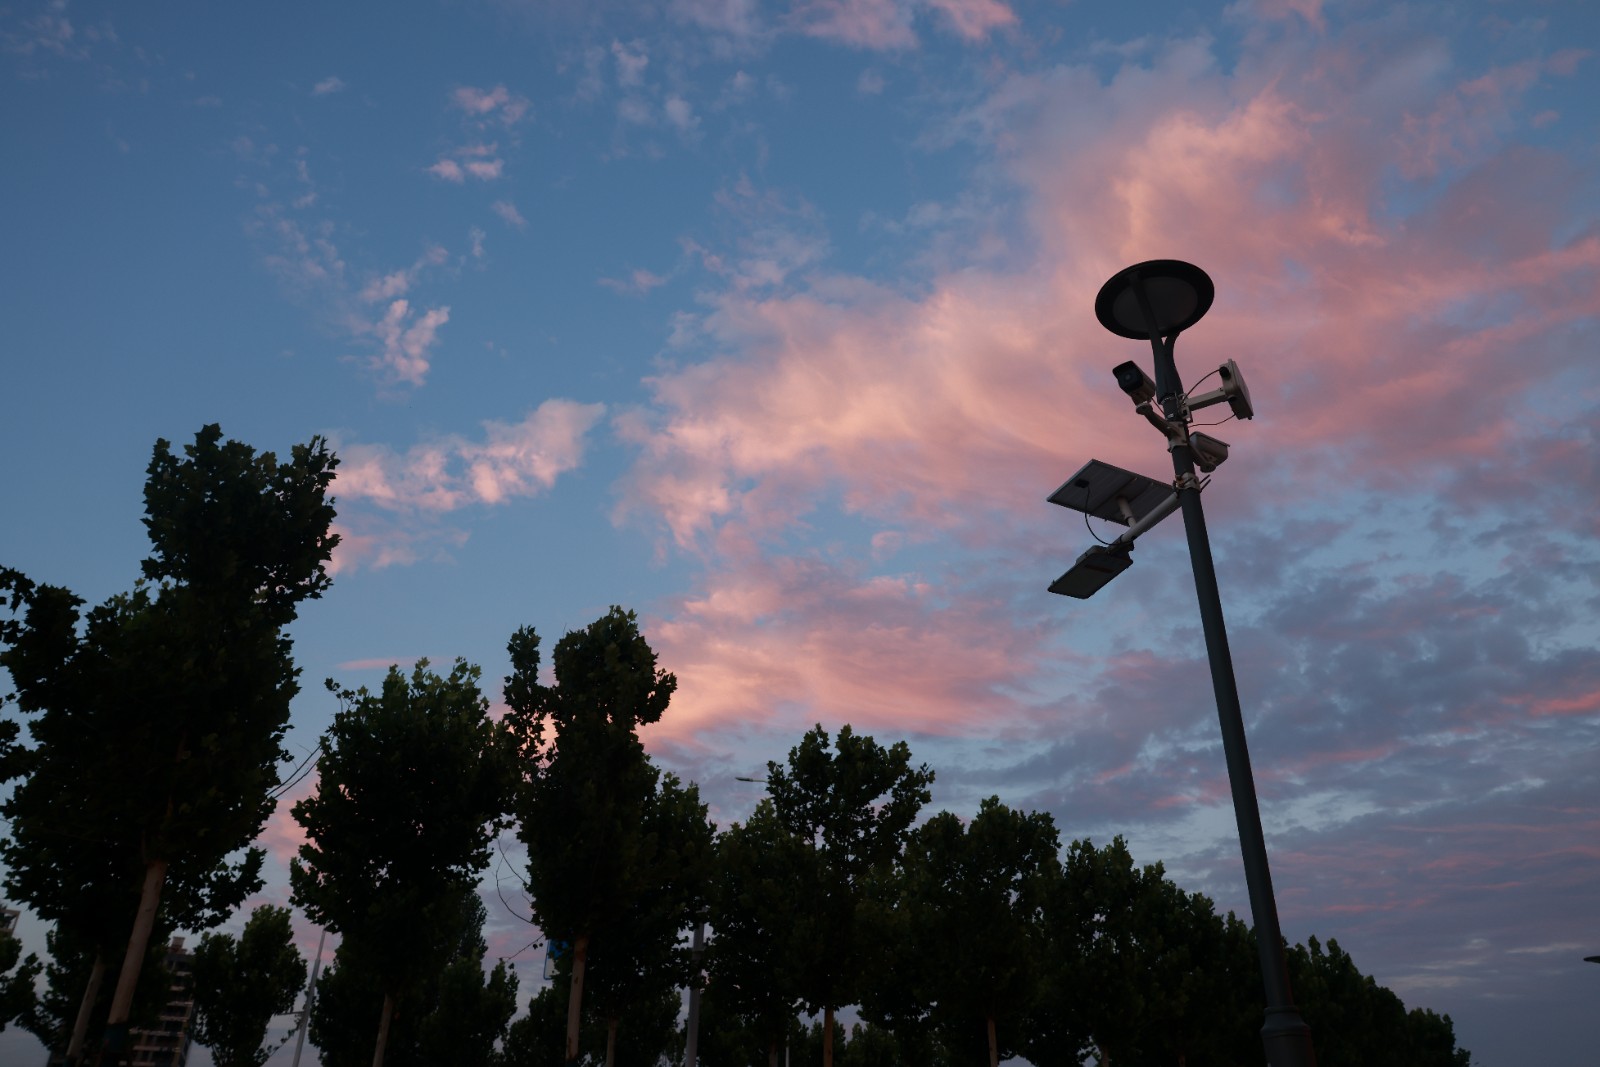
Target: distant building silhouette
(167, 1043)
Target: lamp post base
(1287, 1039)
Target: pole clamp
(1189, 481)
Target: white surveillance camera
(1233, 390)
(1132, 380)
(1209, 453)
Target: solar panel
(1097, 488)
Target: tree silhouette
(159, 726)
(241, 983)
(965, 916)
(411, 785)
(758, 886)
(851, 808)
(587, 791)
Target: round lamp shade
(1180, 294)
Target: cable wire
(1086, 525)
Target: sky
(772, 320)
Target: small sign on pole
(553, 951)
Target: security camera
(1233, 390)
(1134, 381)
(1209, 453)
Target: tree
(758, 886)
(538, 1038)
(965, 910)
(455, 1016)
(411, 786)
(1141, 971)
(163, 721)
(851, 808)
(241, 983)
(1355, 1020)
(61, 1010)
(637, 959)
(18, 976)
(587, 786)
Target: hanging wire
(1086, 525)
(1195, 385)
(298, 775)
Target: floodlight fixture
(1175, 293)
(1132, 379)
(1093, 571)
(1233, 390)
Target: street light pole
(1186, 293)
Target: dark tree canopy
(852, 808)
(162, 716)
(241, 983)
(758, 884)
(616, 854)
(412, 784)
(455, 1016)
(961, 928)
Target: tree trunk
(772, 1053)
(827, 1037)
(155, 873)
(994, 1046)
(580, 960)
(383, 1030)
(80, 1027)
(611, 1041)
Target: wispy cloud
(508, 213)
(413, 489)
(498, 103)
(331, 84)
(510, 460)
(407, 340)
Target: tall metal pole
(1285, 1035)
(691, 1049)
(311, 991)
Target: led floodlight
(1093, 571)
(1233, 390)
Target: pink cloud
(875, 24)
(499, 102)
(974, 19)
(511, 460)
(773, 642)
(508, 213)
(449, 170)
(1382, 348)
(407, 340)
(378, 663)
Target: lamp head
(1178, 295)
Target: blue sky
(773, 321)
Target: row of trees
(157, 722)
